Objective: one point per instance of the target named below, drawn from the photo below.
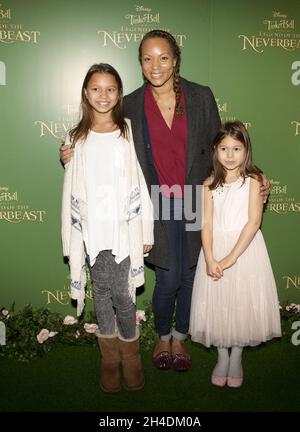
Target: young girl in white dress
(234, 302)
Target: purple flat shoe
(163, 360)
(182, 362)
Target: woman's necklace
(165, 104)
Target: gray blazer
(203, 123)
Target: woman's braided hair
(176, 53)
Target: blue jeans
(174, 286)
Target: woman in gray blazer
(173, 122)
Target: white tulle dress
(242, 307)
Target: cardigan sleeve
(147, 210)
(66, 207)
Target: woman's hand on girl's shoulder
(65, 152)
(265, 188)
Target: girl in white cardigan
(107, 221)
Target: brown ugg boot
(110, 376)
(133, 376)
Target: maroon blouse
(168, 145)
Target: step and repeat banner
(247, 52)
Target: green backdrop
(247, 52)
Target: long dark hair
(176, 53)
(237, 131)
(80, 132)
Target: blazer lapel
(138, 135)
(192, 125)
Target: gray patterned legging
(111, 298)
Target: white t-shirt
(103, 154)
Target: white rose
(42, 336)
(70, 320)
(140, 316)
(90, 328)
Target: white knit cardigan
(135, 206)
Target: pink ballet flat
(219, 381)
(234, 382)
